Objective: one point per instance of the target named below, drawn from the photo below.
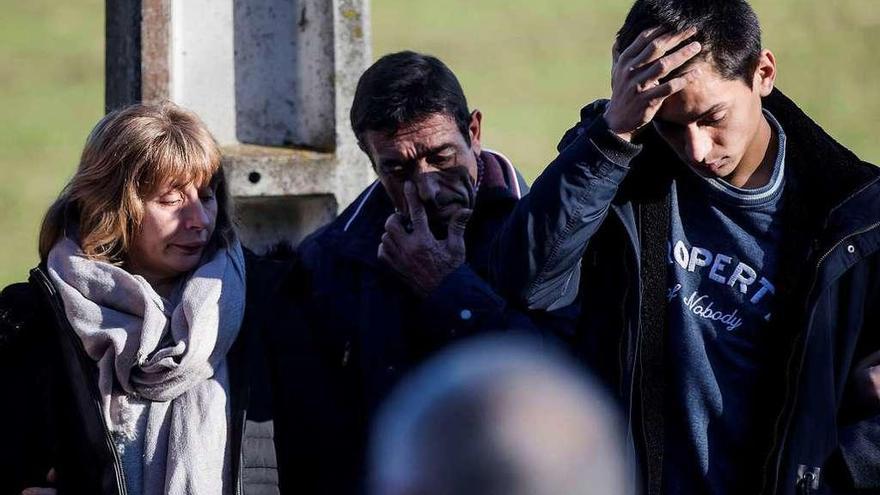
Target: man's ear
(765, 73)
(474, 129)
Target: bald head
(497, 416)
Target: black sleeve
(465, 304)
(27, 379)
(537, 255)
(856, 461)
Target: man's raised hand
(636, 92)
(421, 260)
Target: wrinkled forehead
(416, 138)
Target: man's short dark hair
(404, 88)
(728, 30)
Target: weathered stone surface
(352, 48)
(282, 219)
(203, 63)
(259, 171)
(156, 34)
(122, 62)
(284, 65)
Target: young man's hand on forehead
(636, 89)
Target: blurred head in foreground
(497, 416)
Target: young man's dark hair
(728, 30)
(406, 87)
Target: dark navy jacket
(370, 328)
(52, 414)
(593, 232)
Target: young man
(401, 271)
(723, 251)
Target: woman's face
(176, 227)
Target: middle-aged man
(725, 255)
(401, 271)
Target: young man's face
(716, 124)
(433, 155)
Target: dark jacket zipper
(632, 372)
(82, 357)
(239, 489)
(789, 406)
(638, 348)
(243, 393)
(808, 479)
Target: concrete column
(272, 79)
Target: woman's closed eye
(171, 198)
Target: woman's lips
(190, 248)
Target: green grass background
(528, 65)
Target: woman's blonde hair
(128, 156)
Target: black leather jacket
(53, 416)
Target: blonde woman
(127, 357)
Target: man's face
(714, 123)
(433, 155)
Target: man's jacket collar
(824, 176)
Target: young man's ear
(765, 74)
(474, 129)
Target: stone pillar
(272, 79)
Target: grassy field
(52, 91)
(529, 66)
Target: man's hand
(414, 253)
(866, 379)
(636, 92)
